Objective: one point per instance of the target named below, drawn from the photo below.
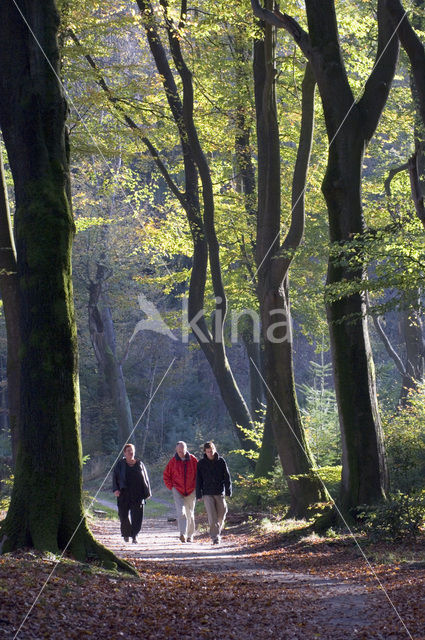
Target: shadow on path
(341, 606)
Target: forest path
(334, 608)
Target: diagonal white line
(93, 500)
(71, 102)
(330, 143)
(336, 507)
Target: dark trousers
(126, 506)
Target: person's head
(209, 450)
(181, 449)
(129, 451)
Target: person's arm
(168, 480)
(227, 480)
(199, 482)
(146, 483)
(115, 483)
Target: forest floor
(252, 586)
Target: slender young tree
(46, 509)
(274, 258)
(102, 335)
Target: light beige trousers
(216, 508)
(185, 511)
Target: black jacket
(119, 478)
(213, 477)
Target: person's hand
(117, 493)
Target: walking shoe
(125, 538)
(190, 539)
(216, 541)
(135, 540)
(182, 538)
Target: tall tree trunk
(10, 298)
(102, 335)
(266, 461)
(46, 506)
(411, 325)
(364, 477)
(256, 386)
(273, 261)
(141, 449)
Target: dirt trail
(340, 608)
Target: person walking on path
(130, 484)
(180, 478)
(213, 482)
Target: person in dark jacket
(130, 484)
(180, 478)
(212, 484)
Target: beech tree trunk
(350, 126)
(9, 296)
(273, 260)
(46, 505)
(102, 335)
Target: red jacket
(181, 474)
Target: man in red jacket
(180, 478)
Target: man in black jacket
(212, 484)
(130, 484)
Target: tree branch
(416, 189)
(284, 21)
(129, 121)
(392, 174)
(413, 47)
(379, 82)
(296, 229)
(385, 340)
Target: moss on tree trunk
(46, 506)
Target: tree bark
(412, 45)
(10, 298)
(350, 125)
(273, 262)
(102, 335)
(411, 325)
(46, 506)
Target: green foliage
(255, 435)
(272, 492)
(262, 493)
(400, 518)
(331, 478)
(396, 259)
(405, 443)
